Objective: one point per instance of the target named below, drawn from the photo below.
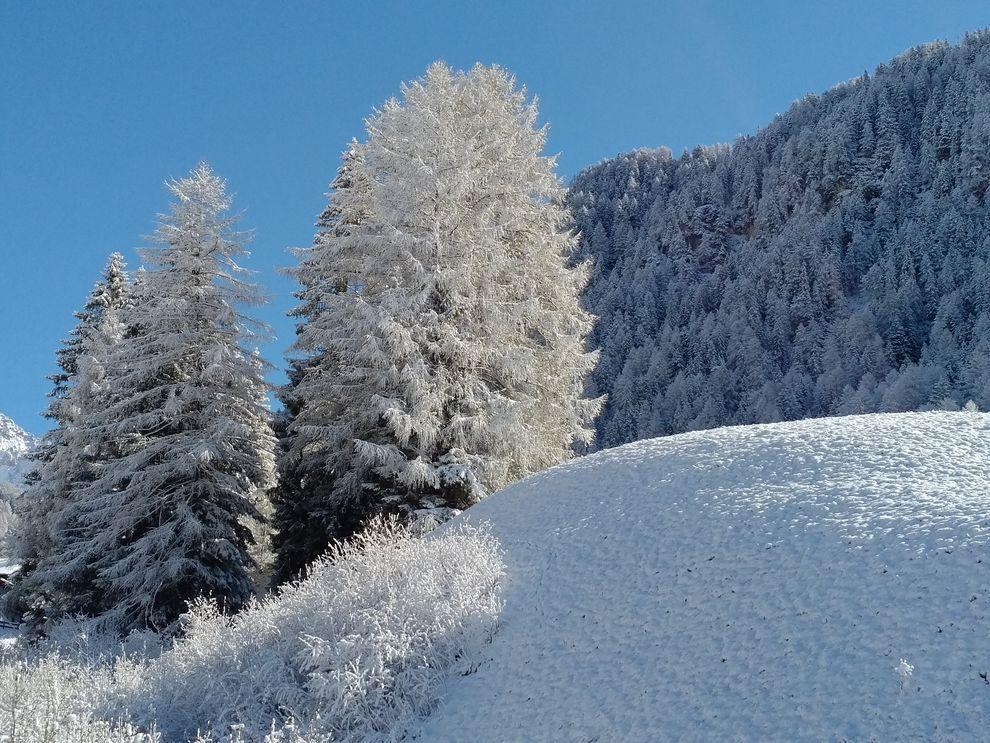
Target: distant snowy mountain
(15, 445)
(818, 580)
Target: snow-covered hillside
(15, 444)
(825, 579)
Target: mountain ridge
(16, 444)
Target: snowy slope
(752, 582)
(15, 444)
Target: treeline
(835, 262)
(440, 354)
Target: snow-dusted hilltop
(15, 445)
(825, 579)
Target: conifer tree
(164, 522)
(67, 456)
(448, 329)
(310, 508)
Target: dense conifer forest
(834, 262)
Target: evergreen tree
(309, 508)
(164, 521)
(67, 455)
(449, 338)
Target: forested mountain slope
(834, 262)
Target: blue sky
(100, 103)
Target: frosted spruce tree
(164, 522)
(310, 508)
(68, 456)
(442, 330)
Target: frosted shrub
(52, 700)
(87, 641)
(356, 651)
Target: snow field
(824, 579)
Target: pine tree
(67, 455)
(164, 522)
(452, 340)
(309, 508)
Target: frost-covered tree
(68, 453)
(164, 521)
(834, 262)
(309, 511)
(446, 343)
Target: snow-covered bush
(358, 650)
(52, 700)
(85, 641)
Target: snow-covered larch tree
(446, 347)
(164, 521)
(67, 456)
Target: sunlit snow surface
(753, 582)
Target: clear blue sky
(100, 102)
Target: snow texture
(817, 580)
